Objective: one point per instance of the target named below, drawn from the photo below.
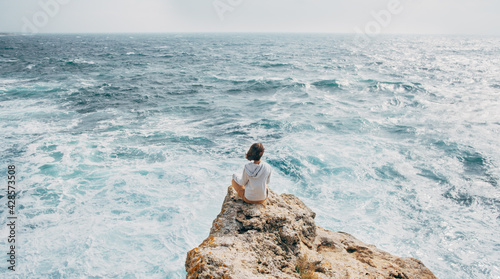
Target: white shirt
(255, 179)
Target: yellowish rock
(281, 240)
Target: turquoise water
(125, 144)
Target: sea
(124, 145)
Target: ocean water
(125, 144)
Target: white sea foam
(125, 166)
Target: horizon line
(244, 32)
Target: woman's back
(252, 186)
(255, 179)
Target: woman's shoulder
(266, 165)
(249, 164)
(252, 165)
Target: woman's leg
(261, 202)
(240, 189)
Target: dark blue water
(125, 144)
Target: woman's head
(255, 152)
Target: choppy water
(125, 144)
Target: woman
(252, 186)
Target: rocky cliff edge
(281, 240)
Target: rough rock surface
(277, 239)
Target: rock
(281, 240)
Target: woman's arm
(244, 178)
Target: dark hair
(255, 152)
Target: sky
(371, 17)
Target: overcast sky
(332, 16)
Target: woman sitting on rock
(252, 186)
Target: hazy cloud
(344, 16)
